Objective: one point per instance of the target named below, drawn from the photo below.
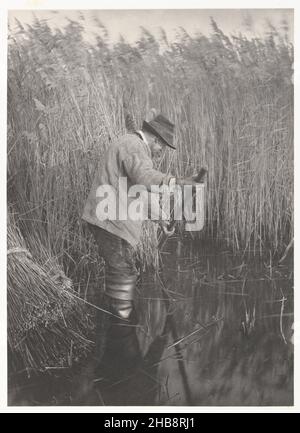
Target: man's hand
(193, 180)
(201, 175)
(186, 181)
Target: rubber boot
(120, 290)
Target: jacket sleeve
(139, 168)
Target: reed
(231, 100)
(47, 326)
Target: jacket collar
(142, 136)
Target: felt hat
(162, 128)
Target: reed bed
(231, 99)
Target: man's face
(157, 147)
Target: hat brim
(155, 132)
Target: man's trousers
(120, 270)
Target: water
(226, 339)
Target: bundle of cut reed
(48, 325)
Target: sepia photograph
(150, 207)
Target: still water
(214, 329)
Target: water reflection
(234, 318)
(214, 330)
(127, 377)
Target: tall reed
(230, 98)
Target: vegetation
(231, 99)
(48, 327)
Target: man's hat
(162, 128)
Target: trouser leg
(120, 271)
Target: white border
(129, 4)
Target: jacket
(127, 157)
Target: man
(128, 157)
